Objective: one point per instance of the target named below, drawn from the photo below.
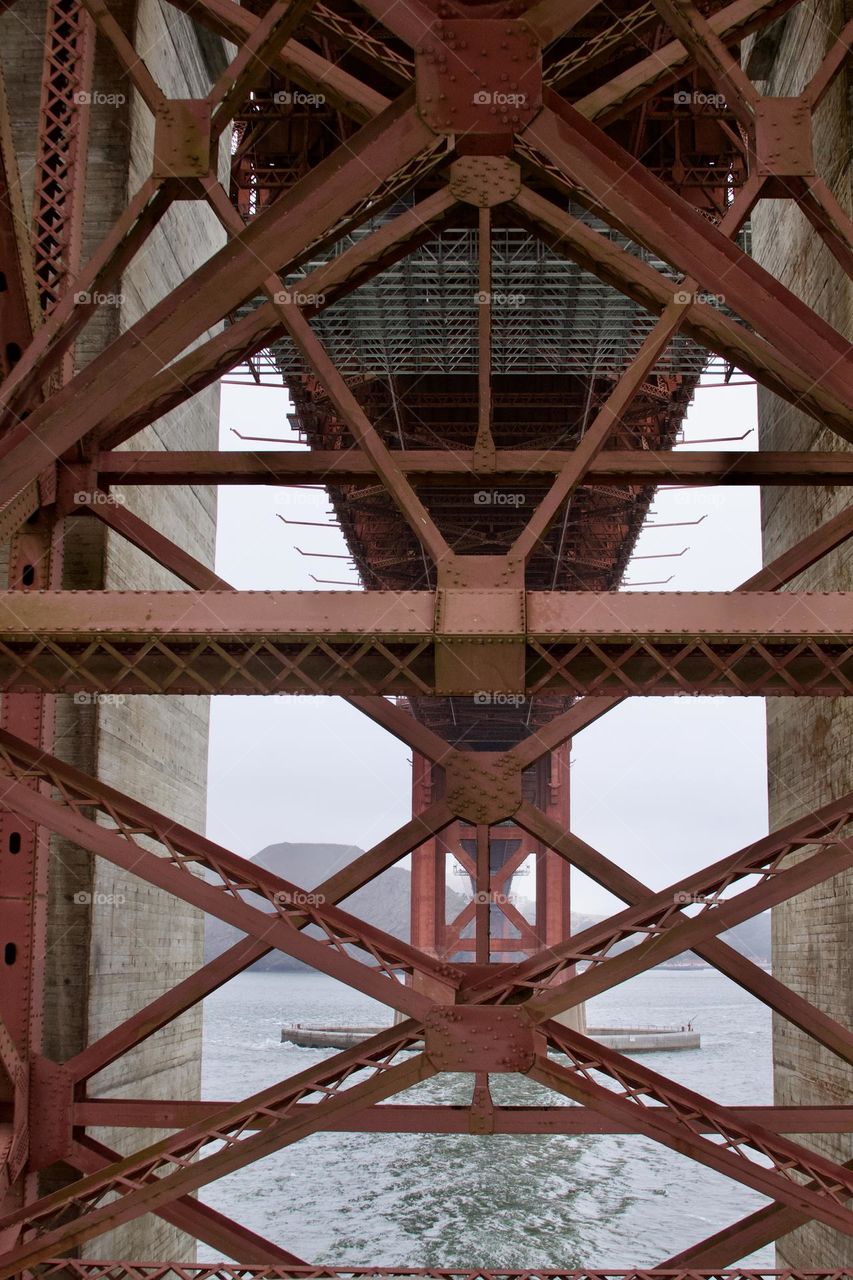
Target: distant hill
(385, 902)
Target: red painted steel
(429, 111)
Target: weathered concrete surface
(810, 757)
(110, 955)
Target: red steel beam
(661, 916)
(709, 327)
(275, 240)
(744, 972)
(160, 1174)
(198, 1220)
(634, 199)
(741, 1147)
(349, 467)
(293, 907)
(389, 1117)
(746, 642)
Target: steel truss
(437, 180)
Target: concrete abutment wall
(114, 942)
(810, 742)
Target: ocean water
(499, 1200)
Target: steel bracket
(479, 75)
(51, 1098)
(783, 138)
(480, 1039)
(182, 139)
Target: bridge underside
(490, 249)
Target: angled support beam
(188, 1214)
(341, 467)
(274, 241)
(666, 65)
(253, 58)
(364, 433)
(744, 1237)
(293, 908)
(175, 1167)
(155, 544)
(710, 328)
(212, 359)
(635, 200)
(740, 1150)
(158, 1013)
(661, 915)
(294, 61)
(744, 972)
(70, 314)
(710, 53)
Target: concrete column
(810, 757)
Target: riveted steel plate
(483, 1038)
(182, 139)
(483, 787)
(783, 138)
(485, 180)
(478, 76)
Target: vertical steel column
(553, 873)
(428, 867)
(36, 553)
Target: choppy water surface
(502, 1200)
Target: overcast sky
(661, 785)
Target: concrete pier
(810, 758)
(114, 942)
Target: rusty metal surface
(399, 208)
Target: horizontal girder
(747, 643)
(623, 466)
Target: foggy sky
(661, 785)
